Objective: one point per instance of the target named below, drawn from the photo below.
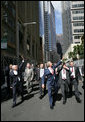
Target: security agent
(74, 80)
(64, 79)
(16, 85)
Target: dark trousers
(40, 86)
(8, 85)
(64, 89)
(17, 88)
(42, 91)
(75, 84)
(50, 96)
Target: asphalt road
(34, 109)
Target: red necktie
(63, 71)
(72, 69)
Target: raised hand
(43, 86)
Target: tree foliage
(78, 49)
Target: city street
(34, 109)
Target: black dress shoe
(53, 104)
(41, 97)
(78, 100)
(64, 102)
(51, 107)
(22, 99)
(13, 105)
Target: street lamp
(30, 23)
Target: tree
(78, 49)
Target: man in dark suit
(64, 80)
(17, 82)
(74, 80)
(83, 76)
(49, 72)
(38, 73)
(8, 78)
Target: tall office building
(21, 39)
(73, 23)
(77, 20)
(47, 30)
(66, 22)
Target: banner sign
(4, 43)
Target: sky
(58, 16)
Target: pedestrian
(32, 66)
(40, 82)
(28, 77)
(37, 73)
(57, 85)
(16, 82)
(8, 79)
(83, 76)
(64, 80)
(49, 72)
(74, 80)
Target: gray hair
(48, 63)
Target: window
(76, 37)
(77, 5)
(78, 30)
(77, 11)
(78, 18)
(78, 24)
(77, 42)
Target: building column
(17, 32)
(25, 33)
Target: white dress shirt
(63, 74)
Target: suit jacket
(37, 70)
(77, 73)
(28, 75)
(68, 73)
(50, 76)
(15, 78)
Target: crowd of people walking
(52, 77)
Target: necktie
(63, 71)
(72, 69)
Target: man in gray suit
(28, 76)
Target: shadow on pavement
(27, 97)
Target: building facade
(47, 30)
(21, 39)
(77, 20)
(8, 27)
(73, 23)
(59, 44)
